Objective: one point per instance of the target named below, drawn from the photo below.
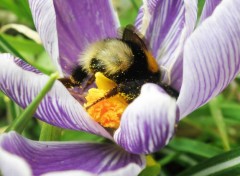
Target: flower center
(107, 111)
(121, 66)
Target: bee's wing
(132, 35)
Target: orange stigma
(108, 111)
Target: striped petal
(130, 169)
(211, 57)
(80, 23)
(26, 66)
(149, 122)
(70, 173)
(44, 157)
(208, 9)
(44, 18)
(144, 15)
(171, 24)
(174, 72)
(57, 108)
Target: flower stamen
(106, 110)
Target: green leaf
(72, 135)
(223, 164)
(194, 147)
(50, 133)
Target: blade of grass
(223, 164)
(168, 158)
(219, 121)
(194, 147)
(20, 123)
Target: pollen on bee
(106, 112)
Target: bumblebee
(126, 61)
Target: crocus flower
(199, 59)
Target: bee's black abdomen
(139, 69)
(131, 89)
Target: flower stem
(10, 110)
(219, 120)
(20, 123)
(50, 133)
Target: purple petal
(79, 23)
(171, 24)
(149, 122)
(208, 9)
(69, 173)
(130, 169)
(9, 161)
(45, 21)
(144, 15)
(44, 157)
(57, 108)
(26, 66)
(211, 57)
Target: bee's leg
(78, 78)
(67, 82)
